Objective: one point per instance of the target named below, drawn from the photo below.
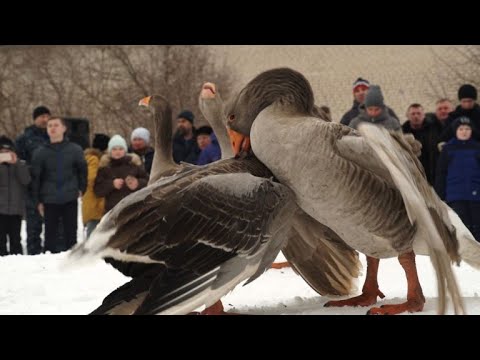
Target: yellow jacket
(93, 207)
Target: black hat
(6, 143)
(186, 114)
(463, 120)
(204, 130)
(467, 91)
(40, 110)
(100, 142)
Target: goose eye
(231, 117)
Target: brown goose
(220, 224)
(314, 251)
(162, 164)
(377, 201)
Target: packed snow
(38, 285)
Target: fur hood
(106, 159)
(93, 152)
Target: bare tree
(454, 66)
(102, 83)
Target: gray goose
(313, 250)
(369, 189)
(162, 164)
(211, 105)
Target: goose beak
(239, 142)
(208, 91)
(145, 101)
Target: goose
(207, 229)
(193, 233)
(162, 164)
(134, 220)
(316, 253)
(211, 106)
(367, 186)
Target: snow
(40, 285)
(37, 285)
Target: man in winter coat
(32, 138)
(59, 174)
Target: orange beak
(239, 142)
(145, 101)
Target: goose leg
(280, 265)
(370, 289)
(215, 309)
(415, 298)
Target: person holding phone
(14, 178)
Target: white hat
(141, 133)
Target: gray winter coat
(59, 172)
(13, 187)
(384, 119)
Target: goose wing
(391, 157)
(321, 257)
(210, 233)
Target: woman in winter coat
(119, 174)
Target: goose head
(162, 119)
(208, 91)
(162, 123)
(285, 86)
(212, 108)
(156, 103)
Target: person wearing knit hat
(375, 111)
(185, 146)
(39, 111)
(187, 115)
(360, 83)
(465, 125)
(467, 95)
(100, 142)
(117, 143)
(119, 174)
(467, 91)
(140, 140)
(374, 97)
(208, 144)
(6, 143)
(360, 89)
(458, 174)
(142, 134)
(203, 136)
(32, 139)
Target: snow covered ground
(36, 285)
